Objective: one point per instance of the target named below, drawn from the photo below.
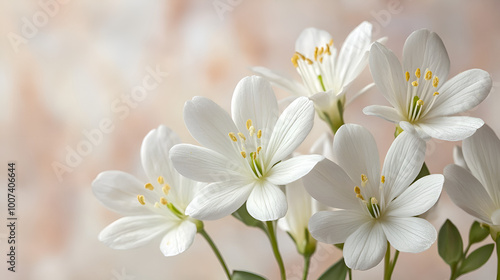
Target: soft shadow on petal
(267, 202)
(178, 239)
(366, 247)
(409, 234)
(333, 227)
(385, 112)
(292, 169)
(455, 128)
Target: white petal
(292, 169)
(468, 193)
(330, 185)
(482, 154)
(323, 146)
(453, 128)
(299, 211)
(202, 164)
(178, 239)
(388, 75)
(311, 38)
(409, 234)
(325, 101)
(417, 198)
(458, 157)
(424, 49)
(118, 191)
(333, 227)
(402, 164)
(210, 125)
(356, 152)
(385, 112)
(461, 93)
(414, 129)
(289, 85)
(365, 248)
(267, 202)
(291, 129)
(218, 200)
(254, 99)
(132, 232)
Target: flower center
(419, 99)
(162, 203)
(250, 148)
(372, 205)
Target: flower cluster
(246, 165)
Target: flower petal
(385, 112)
(453, 128)
(425, 50)
(458, 157)
(311, 38)
(402, 164)
(292, 169)
(323, 146)
(291, 129)
(118, 191)
(365, 248)
(417, 198)
(267, 202)
(289, 85)
(218, 200)
(482, 154)
(409, 234)
(461, 93)
(414, 129)
(333, 227)
(178, 239)
(330, 185)
(210, 125)
(468, 193)
(299, 211)
(132, 232)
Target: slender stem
(349, 271)
(307, 263)
(498, 259)
(216, 251)
(387, 262)
(393, 263)
(276, 251)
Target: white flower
(245, 157)
(326, 77)
(477, 191)
(422, 99)
(374, 208)
(152, 209)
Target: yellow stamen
(294, 59)
(309, 61)
(259, 133)
(254, 155)
(165, 189)
(242, 136)
(435, 82)
(364, 178)
(417, 73)
(328, 50)
(149, 186)
(233, 137)
(360, 196)
(160, 180)
(163, 201)
(420, 102)
(428, 75)
(258, 149)
(414, 83)
(157, 205)
(301, 56)
(249, 123)
(373, 200)
(436, 93)
(407, 75)
(316, 53)
(243, 154)
(141, 199)
(321, 51)
(382, 179)
(357, 190)
(331, 42)
(251, 131)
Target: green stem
(498, 258)
(349, 271)
(387, 262)
(276, 251)
(393, 263)
(307, 263)
(216, 251)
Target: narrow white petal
(118, 191)
(409, 234)
(402, 164)
(267, 202)
(291, 129)
(365, 248)
(425, 50)
(385, 112)
(132, 232)
(330, 185)
(468, 193)
(299, 210)
(311, 38)
(414, 129)
(178, 239)
(458, 157)
(333, 227)
(461, 93)
(482, 154)
(325, 101)
(323, 146)
(292, 169)
(210, 125)
(453, 128)
(202, 164)
(218, 200)
(417, 198)
(287, 84)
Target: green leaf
(476, 259)
(337, 271)
(424, 171)
(243, 215)
(243, 275)
(340, 246)
(477, 233)
(450, 245)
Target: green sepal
(243, 215)
(337, 271)
(339, 245)
(476, 259)
(244, 275)
(450, 244)
(477, 233)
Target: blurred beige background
(65, 66)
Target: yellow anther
(407, 75)
(414, 83)
(232, 136)
(360, 196)
(321, 51)
(331, 42)
(364, 178)
(160, 180)
(435, 82)
(328, 50)
(163, 201)
(157, 205)
(417, 73)
(242, 137)
(436, 93)
(149, 186)
(141, 199)
(382, 179)
(258, 149)
(251, 131)
(309, 61)
(357, 190)
(254, 156)
(428, 75)
(259, 133)
(294, 59)
(249, 123)
(301, 56)
(243, 154)
(373, 201)
(165, 189)
(316, 53)
(420, 102)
